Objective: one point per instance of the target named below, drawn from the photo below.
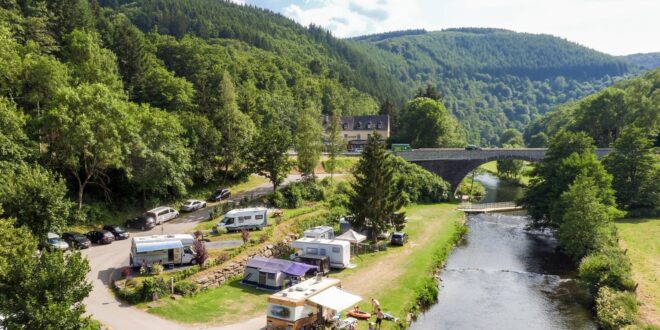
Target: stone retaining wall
(220, 274)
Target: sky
(617, 27)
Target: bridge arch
(454, 164)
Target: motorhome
(162, 249)
(339, 252)
(320, 232)
(239, 219)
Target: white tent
(352, 236)
(335, 298)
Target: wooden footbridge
(489, 207)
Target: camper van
(239, 219)
(162, 249)
(339, 252)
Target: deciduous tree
(425, 123)
(308, 141)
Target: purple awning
(298, 269)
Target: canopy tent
(155, 246)
(335, 298)
(352, 236)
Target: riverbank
(640, 238)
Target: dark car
(141, 222)
(220, 194)
(472, 147)
(100, 236)
(399, 238)
(76, 240)
(117, 231)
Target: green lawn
(344, 164)
(226, 304)
(642, 239)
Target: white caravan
(162, 249)
(239, 219)
(339, 252)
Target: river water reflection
(504, 276)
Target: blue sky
(617, 27)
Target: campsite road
(106, 262)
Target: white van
(239, 219)
(338, 251)
(162, 214)
(162, 249)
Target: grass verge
(641, 239)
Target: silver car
(192, 205)
(53, 242)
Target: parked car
(472, 147)
(140, 222)
(192, 205)
(162, 214)
(220, 194)
(76, 240)
(100, 236)
(399, 238)
(53, 242)
(117, 231)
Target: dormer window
(379, 125)
(344, 126)
(369, 125)
(359, 124)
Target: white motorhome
(339, 252)
(239, 219)
(162, 249)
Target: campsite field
(640, 237)
(391, 276)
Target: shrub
(609, 267)
(185, 273)
(419, 185)
(185, 288)
(427, 294)
(156, 269)
(222, 257)
(615, 309)
(151, 286)
(202, 254)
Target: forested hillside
(96, 113)
(647, 61)
(604, 115)
(311, 47)
(494, 79)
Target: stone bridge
(454, 164)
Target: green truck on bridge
(401, 147)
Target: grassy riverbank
(640, 238)
(392, 276)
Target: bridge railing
(485, 206)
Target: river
(504, 276)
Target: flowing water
(504, 276)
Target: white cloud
(614, 26)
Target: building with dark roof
(356, 129)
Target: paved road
(106, 262)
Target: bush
(156, 269)
(609, 267)
(151, 286)
(296, 193)
(419, 185)
(615, 309)
(222, 257)
(185, 288)
(427, 294)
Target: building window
(344, 126)
(379, 125)
(345, 136)
(368, 136)
(369, 125)
(358, 136)
(359, 124)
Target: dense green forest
(604, 115)
(95, 110)
(494, 79)
(647, 61)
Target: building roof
(305, 289)
(274, 266)
(361, 123)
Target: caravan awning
(299, 269)
(155, 246)
(335, 299)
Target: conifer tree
(308, 142)
(335, 143)
(374, 200)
